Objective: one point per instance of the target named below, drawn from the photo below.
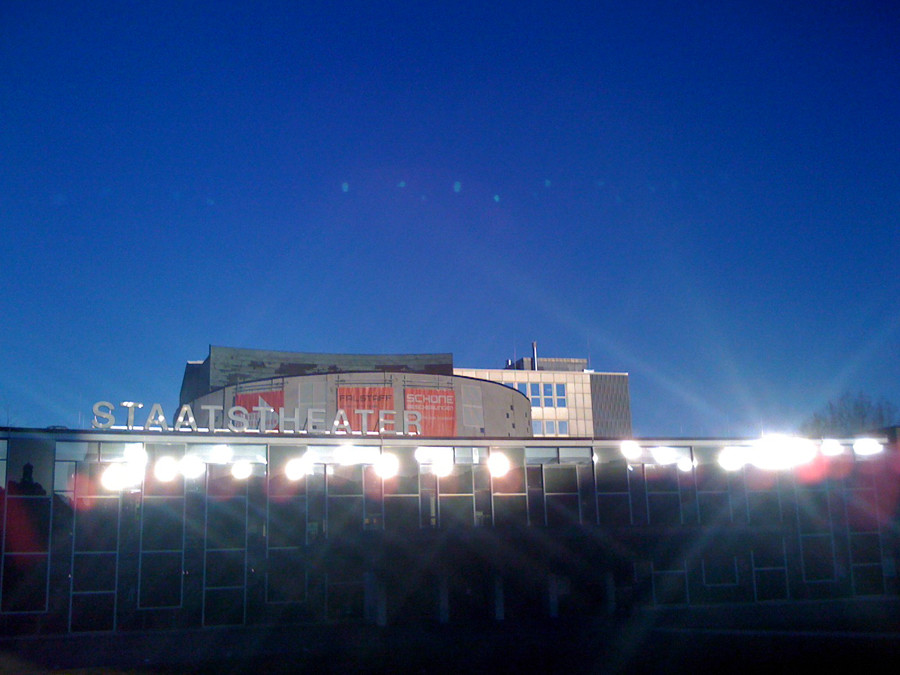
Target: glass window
(548, 390)
(563, 428)
(537, 426)
(522, 387)
(541, 456)
(548, 402)
(160, 584)
(535, 389)
(550, 427)
(560, 390)
(560, 403)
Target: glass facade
(105, 532)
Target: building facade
(567, 398)
(111, 530)
(319, 489)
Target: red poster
(261, 399)
(352, 400)
(438, 409)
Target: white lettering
(106, 415)
(364, 416)
(211, 415)
(238, 418)
(385, 420)
(263, 411)
(341, 424)
(131, 408)
(283, 419)
(315, 420)
(412, 419)
(156, 418)
(186, 416)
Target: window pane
(560, 390)
(550, 427)
(548, 402)
(160, 580)
(537, 427)
(94, 572)
(24, 583)
(522, 387)
(560, 403)
(563, 428)
(535, 389)
(548, 390)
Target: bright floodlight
(867, 446)
(732, 458)
(192, 466)
(776, 452)
(387, 465)
(664, 454)
(831, 447)
(631, 450)
(241, 470)
(114, 477)
(134, 453)
(165, 469)
(220, 454)
(685, 464)
(298, 467)
(442, 465)
(498, 464)
(347, 455)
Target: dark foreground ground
(775, 638)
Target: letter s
(106, 415)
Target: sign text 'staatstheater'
(237, 418)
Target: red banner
(375, 399)
(261, 399)
(438, 409)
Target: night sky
(702, 194)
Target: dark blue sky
(703, 194)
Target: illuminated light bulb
(387, 465)
(685, 464)
(347, 455)
(220, 454)
(135, 454)
(831, 448)
(631, 450)
(732, 458)
(498, 464)
(664, 454)
(241, 470)
(442, 467)
(776, 452)
(165, 469)
(298, 467)
(192, 466)
(867, 446)
(114, 477)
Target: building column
(553, 595)
(499, 599)
(609, 582)
(443, 593)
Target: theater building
(407, 493)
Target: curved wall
(388, 403)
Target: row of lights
(775, 452)
(130, 472)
